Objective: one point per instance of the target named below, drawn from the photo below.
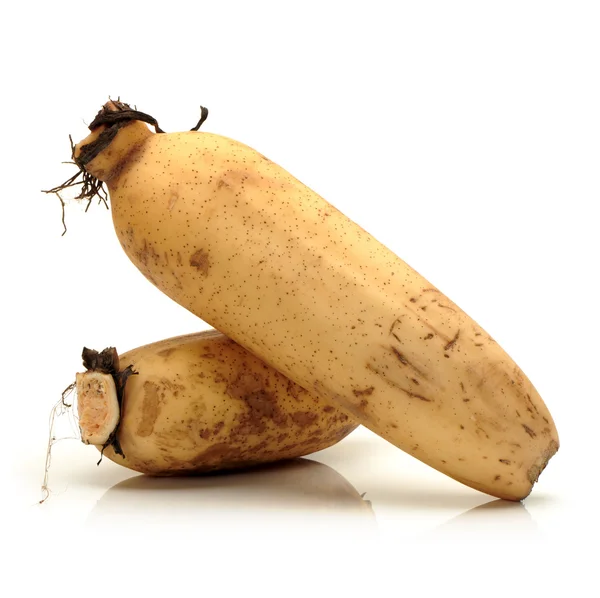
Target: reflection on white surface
(297, 489)
(363, 483)
(497, 521)
(361, 513)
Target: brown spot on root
(150, 409)
(328, 409)
(166, 352)
(436, 331)
(402, 359)
(364, 392)
(505, 461)
(462, 386)
(496, 478)
(399, 356)
(146, 254)
(429, 336)
(446, 307)
(396, 385)
(174, 197)
(221, 454)
(479, 430)
(529, 430)
(343, 432)
(451, 343)
(200, 261)
(262, 402)
(294, 389)
(396, 321)
(532, 406)
(304, 418)
(221, 183)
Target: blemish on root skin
(174, 197)
(304, 418)
(363, 393)
(399, 356)
(451, 343)
(200, 261)
(149, 409)
(529, 431)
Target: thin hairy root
(62, 203)
(119, 115)
(60, 408)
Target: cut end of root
(98, 406)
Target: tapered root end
(536, 469)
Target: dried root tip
(113, 116)
(114, 112)
(203, 117)
(106, 361)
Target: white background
(464, 135)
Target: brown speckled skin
(202, 403)
(241, 243)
